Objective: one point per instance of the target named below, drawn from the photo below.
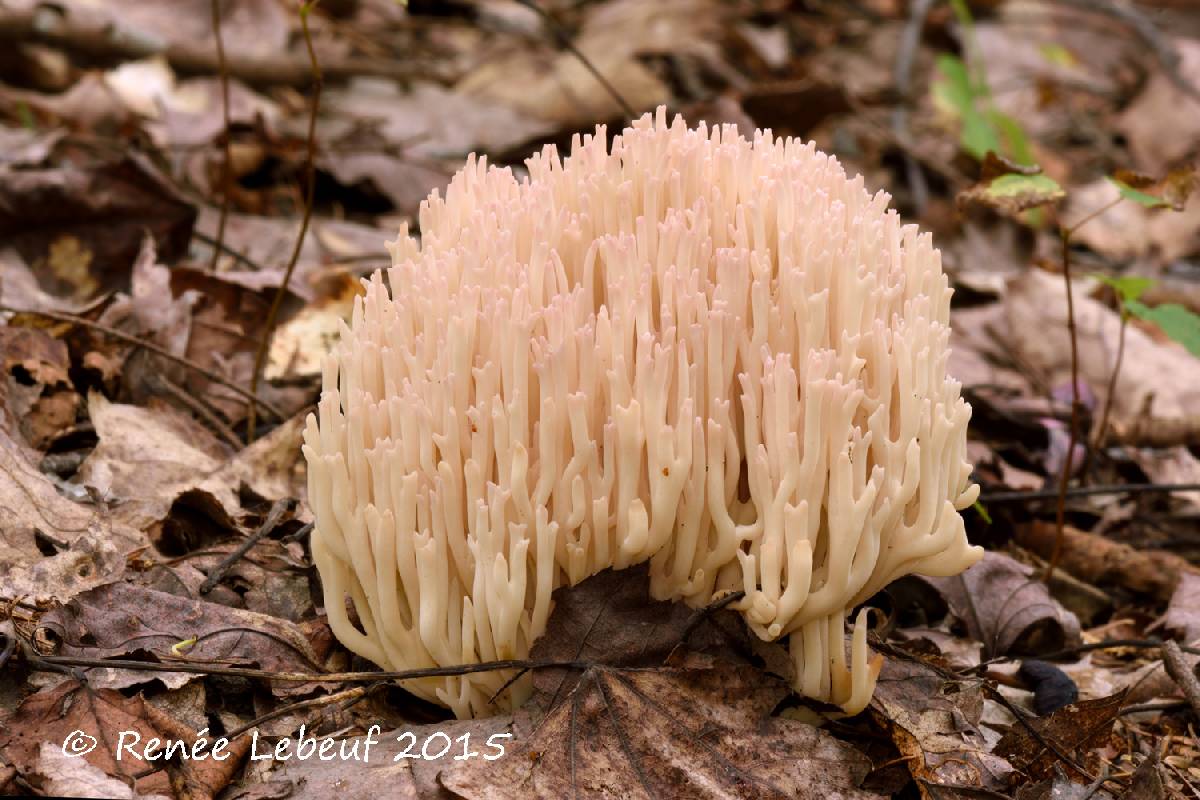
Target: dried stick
(1164, 52)
(564, 39)
(103, 40)
(227, 162)
(274, 516)
(1177, 667)
(909, 40)
(153, 348)
(1060, 512)
(1088, 491)
(62, 663)
(1101, 432)
(310, 180)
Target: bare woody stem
(309, 190)
(227, 159)
(1073, 435)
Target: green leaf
(1128, 287)
(1016, 143)
(953, 87)
(981, 509)
(978, 135)
(1139, 197)
(1058, 55)
(1177, 322)
(1014, 184)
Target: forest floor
(163, 322)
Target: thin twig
(564, 39)
(1060, 512)
(227, 162)
(198, 408)
(64, 663)
(1080, 649)
(909, 41)
(316, 702)
(1181, 672)
(991, 498)
(1102, 429)
(274, 516)
(310, 179)
(237, 255)
(153, 348)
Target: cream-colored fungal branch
(720, 356)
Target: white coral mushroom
(717, 355)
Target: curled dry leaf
(35, 391)
(165, 469)
(1007, 609)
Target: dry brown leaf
(1007, 609)
(701, 732)
(162, 467)
(610, 619)
(35, 390)
(1075, 730)
(1183, 612)
(119, 619)
(146, 458)
(85, 547)
(71, 718)
(80, 226)
(934, 723)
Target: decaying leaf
(934, 722)
(1012, 193)
(1075, 731)
(691, 731)
(88, 723)
(51, 546)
